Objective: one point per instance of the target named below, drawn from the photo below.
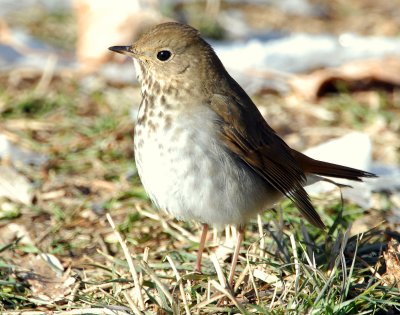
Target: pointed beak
(125, 50)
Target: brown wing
(245, 133)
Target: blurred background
(318, 70)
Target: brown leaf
(391, 256)
(361, 72)
(46, 277)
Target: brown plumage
(203, 150)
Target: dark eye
(163, 55)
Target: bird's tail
(317, 167)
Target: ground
(73, 260)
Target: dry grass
(63, 254)
(145, 263)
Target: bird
(202, 148)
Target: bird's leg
(240, 237)
(201, 247)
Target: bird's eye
(163, 55)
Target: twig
(145, 258)
(47, 75)
(72, 295)
(209, 301)
(130, 262)
(184, 232)
(296, 262)
(241, 276)
(218, 269)
(154, 277)
(251, 276)
(131, 303)
(261, 232)
(179, 280)
(273, 298)
(228, 294)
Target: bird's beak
(125, 50)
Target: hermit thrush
(202, 148)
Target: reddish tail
(312, 166)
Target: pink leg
(239, 240)
(201, 248)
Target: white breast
(187, 171)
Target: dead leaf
(46, 277)
(372, 72)
(15, 186)
(268, 278)
(391, 256)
